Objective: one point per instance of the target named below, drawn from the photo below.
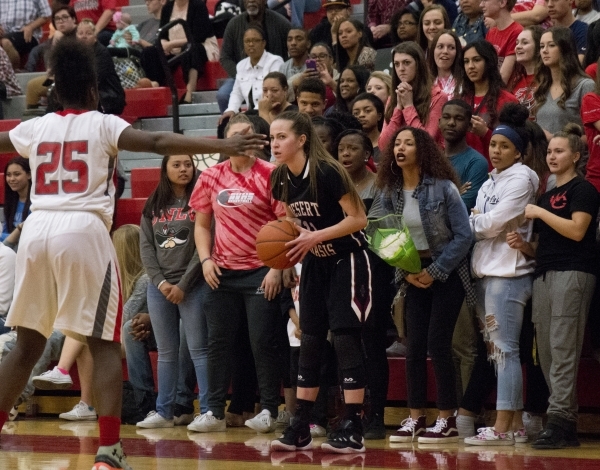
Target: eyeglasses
(406, 23)
(319, 56)
(252, 41)
(60, 19)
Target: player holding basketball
(66, 275)
(335, 285)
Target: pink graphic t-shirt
(241, 204)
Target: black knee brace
(309, 364)
(348, 347)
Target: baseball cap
(341, 3)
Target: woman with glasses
(322, 54)
(251, 71)
(65, 24)
(404, 26)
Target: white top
(73, 157)
(501, 202)
(7, 278)
(588, 18)
(412, 219)
(251, 78)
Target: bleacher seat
(8, 124)
(213, 71)
(146, 102)
(312, 19)
(143, 181)
(129, 211)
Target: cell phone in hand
(311, 64)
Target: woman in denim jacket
(415, 180)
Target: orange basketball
(270, 243)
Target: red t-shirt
(482, 144)
(504, 41)
(592, 70)
(522, 6)
(93, 9)
(590, 113)
(523, 91)
(241, 204)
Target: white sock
(465, 426)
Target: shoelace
(440, 424)
(409, 424)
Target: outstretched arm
(6, 146)
(168, 143)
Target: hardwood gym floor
(52, 444)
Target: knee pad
(309, 364)
(348, 347)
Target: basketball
(270, 243)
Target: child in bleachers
(126, 34)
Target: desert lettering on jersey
(305, 208)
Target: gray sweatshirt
(168, 249)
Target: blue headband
(511, 135)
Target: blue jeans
(500, 305)
(186, 381)
(165, 317)
(139, 367)
(223, 94)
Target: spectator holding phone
(319, 66)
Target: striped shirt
(241, 204)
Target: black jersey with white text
(322, 212)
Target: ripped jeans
(500, 305)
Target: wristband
(161, 283)
(205, 259)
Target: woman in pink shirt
(415, 101)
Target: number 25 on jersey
(73, 173)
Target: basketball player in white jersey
(66, 274)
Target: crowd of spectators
(495, 86)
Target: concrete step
(185, 123)
(23, 78)
(136, 2)
(204, 97)
(13, 107)
(196, 109)
(138, 13)
(200, 132)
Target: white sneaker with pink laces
(489, 437)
